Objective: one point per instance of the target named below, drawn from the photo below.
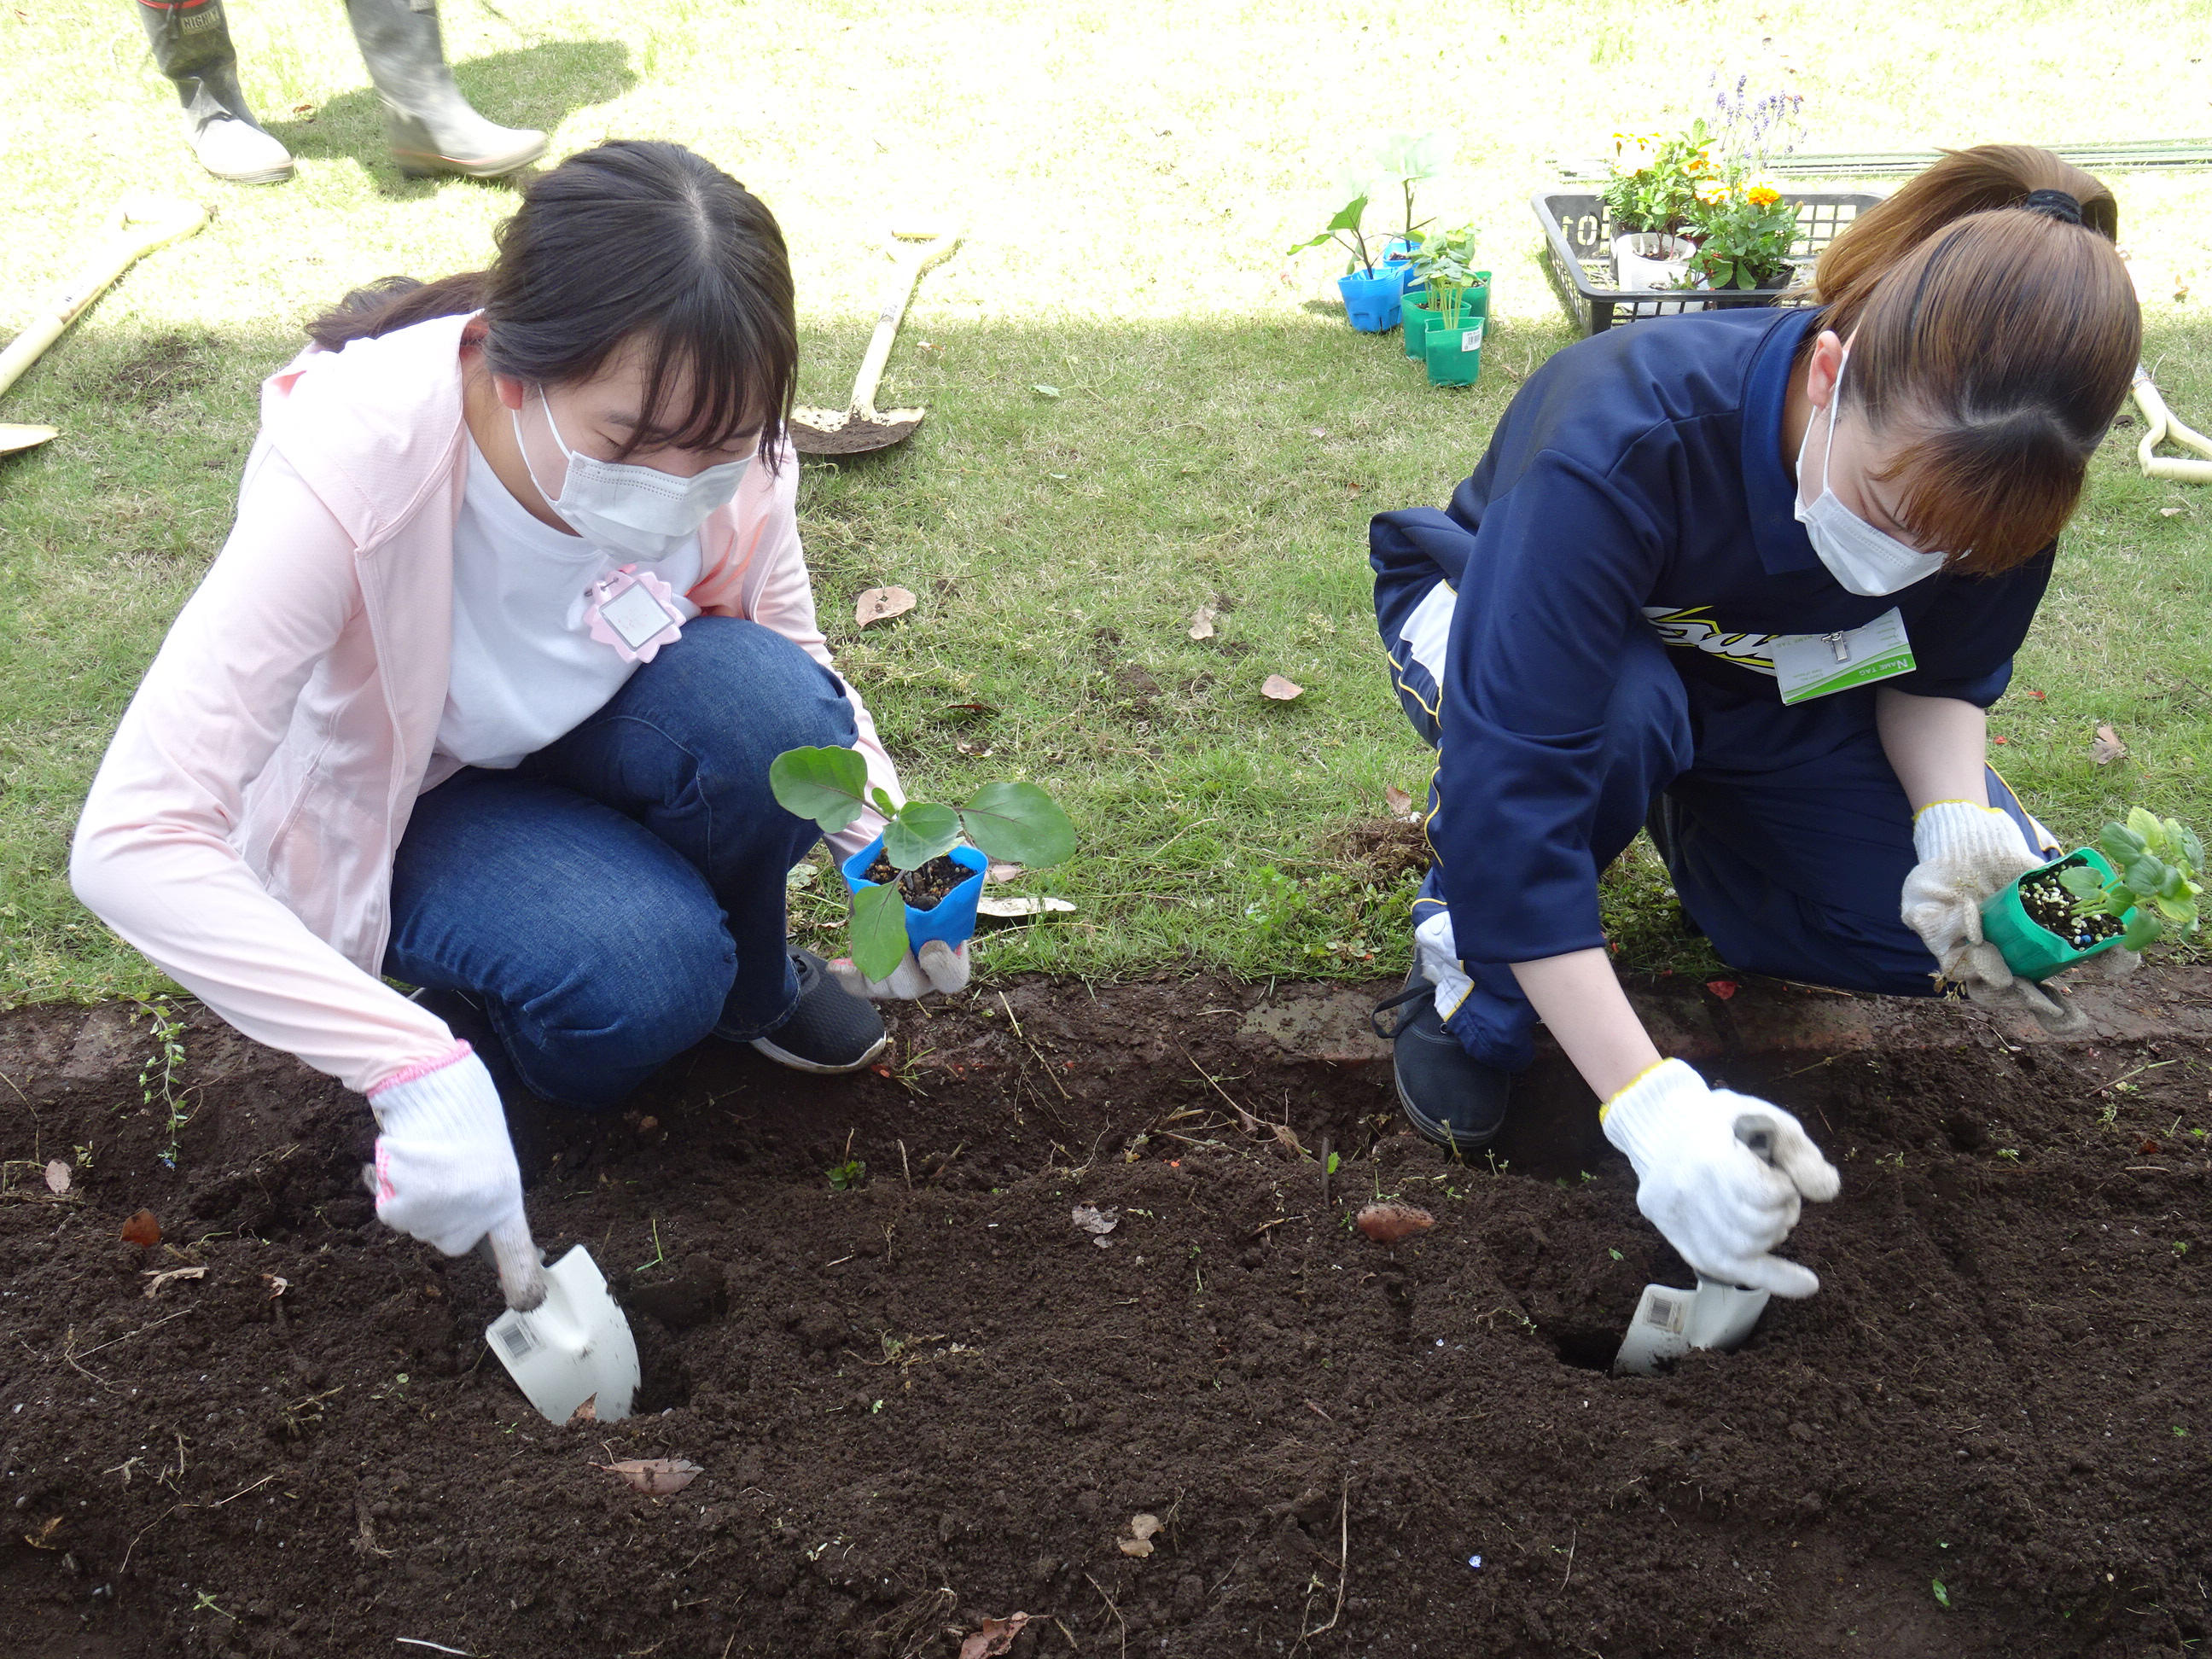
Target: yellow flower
(1762, 195)
(1713, 191)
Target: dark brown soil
(2051, 907)
(923, 888)
(933, 1398)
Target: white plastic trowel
(574, 1346)
(1669, 1322)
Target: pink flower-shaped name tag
(635, 612)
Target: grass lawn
(1127, 176)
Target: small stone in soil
(923, 888)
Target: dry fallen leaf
(166, 1275)
(586, 1412)
(2106, 747)
(999, 872)
(1146, 1526)
(1137, 1547)
(58, 1176)
(38, 1540)
(278, 1285)
(1399, 803)
(656, 1477)
(1090, 1220)
(1201, 625)
(1142, 1530)
(1280, 689)
(993, 1636)
(647, 1125)
(1386, 1224)
(142, 1229)
(2169, 512)
(1006, 908)
(880, 603)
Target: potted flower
(1743, 228)
(1649, 199)
(2137, 885)
(919, 880)
(1370, 295)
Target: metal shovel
(2161, 425)
(573, 1346)
(141, 224)
(862, 428)
(1669, 1322)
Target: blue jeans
(619, 896)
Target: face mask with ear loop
(638, 511)
(1864, 559)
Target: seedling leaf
(879, 931)
(1018, 823)
(919, 832)
(829, 786)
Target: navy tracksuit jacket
(1598, 596)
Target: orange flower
(1762, 195)
(1713, 191)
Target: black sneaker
(1451, 1097)
(830, 1029)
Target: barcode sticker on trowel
(518, 1340)
(1663, 1311)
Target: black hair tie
(2054, 203)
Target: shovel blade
(1669, 1322)
(13, 438)
(575, 1346)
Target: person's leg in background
(684, 749)
(431, 127)
(1470, 1028)
(191, 45)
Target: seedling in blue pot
(919, 880)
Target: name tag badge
(1811, 665)
(635, 612)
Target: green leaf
(1349, 219)
(2144, 824)
(2145, 875)
(920, 831)
(879, 931)
(825, 785)
(1019, 824)
(2120, 844)
(2086, 885)
(2145, 929)
(2190, 849)
(1942, 1596)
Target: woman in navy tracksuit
(1753, 575)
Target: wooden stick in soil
(1325, 1143)
(1111, 1608)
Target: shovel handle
(140, 225)
(912, 262)
(2160, 426)
(520, 1264)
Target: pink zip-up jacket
(242, 827)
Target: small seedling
(1942, 1596)
(2181, 1247)
(844, 1177)
(659, 1255)
(1334, 1160)
(2011, 1153)
(2156, 863)
(1616, 1255)
(157, 1078)
(1013, 823)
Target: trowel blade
(13, 438)
(1669, 1322)
(574, 1346)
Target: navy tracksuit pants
(1787, 835)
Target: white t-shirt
(526, 668)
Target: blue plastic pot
(1371, 302)
(953, 917)
(1399, 256)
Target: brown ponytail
(1991, 342)
(395, 302)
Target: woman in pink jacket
(482, 692)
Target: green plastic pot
(1455, 355)
(2031, 949)
(1413, 314)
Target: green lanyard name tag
(1811, 665)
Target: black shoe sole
(783, 1057)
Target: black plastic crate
(1579, 253)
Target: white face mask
(638, 511)
(1862, 558)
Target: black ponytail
(631, 240)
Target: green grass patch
(1127, 177)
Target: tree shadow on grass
(535, 87)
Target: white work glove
(1966, 853)
(445, 1172)
(1720, 1203)
(936, 967)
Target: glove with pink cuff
(1721, 1175)
(446, 1174)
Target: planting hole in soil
(922, 889)
(2050, 908)
(936, 1397)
